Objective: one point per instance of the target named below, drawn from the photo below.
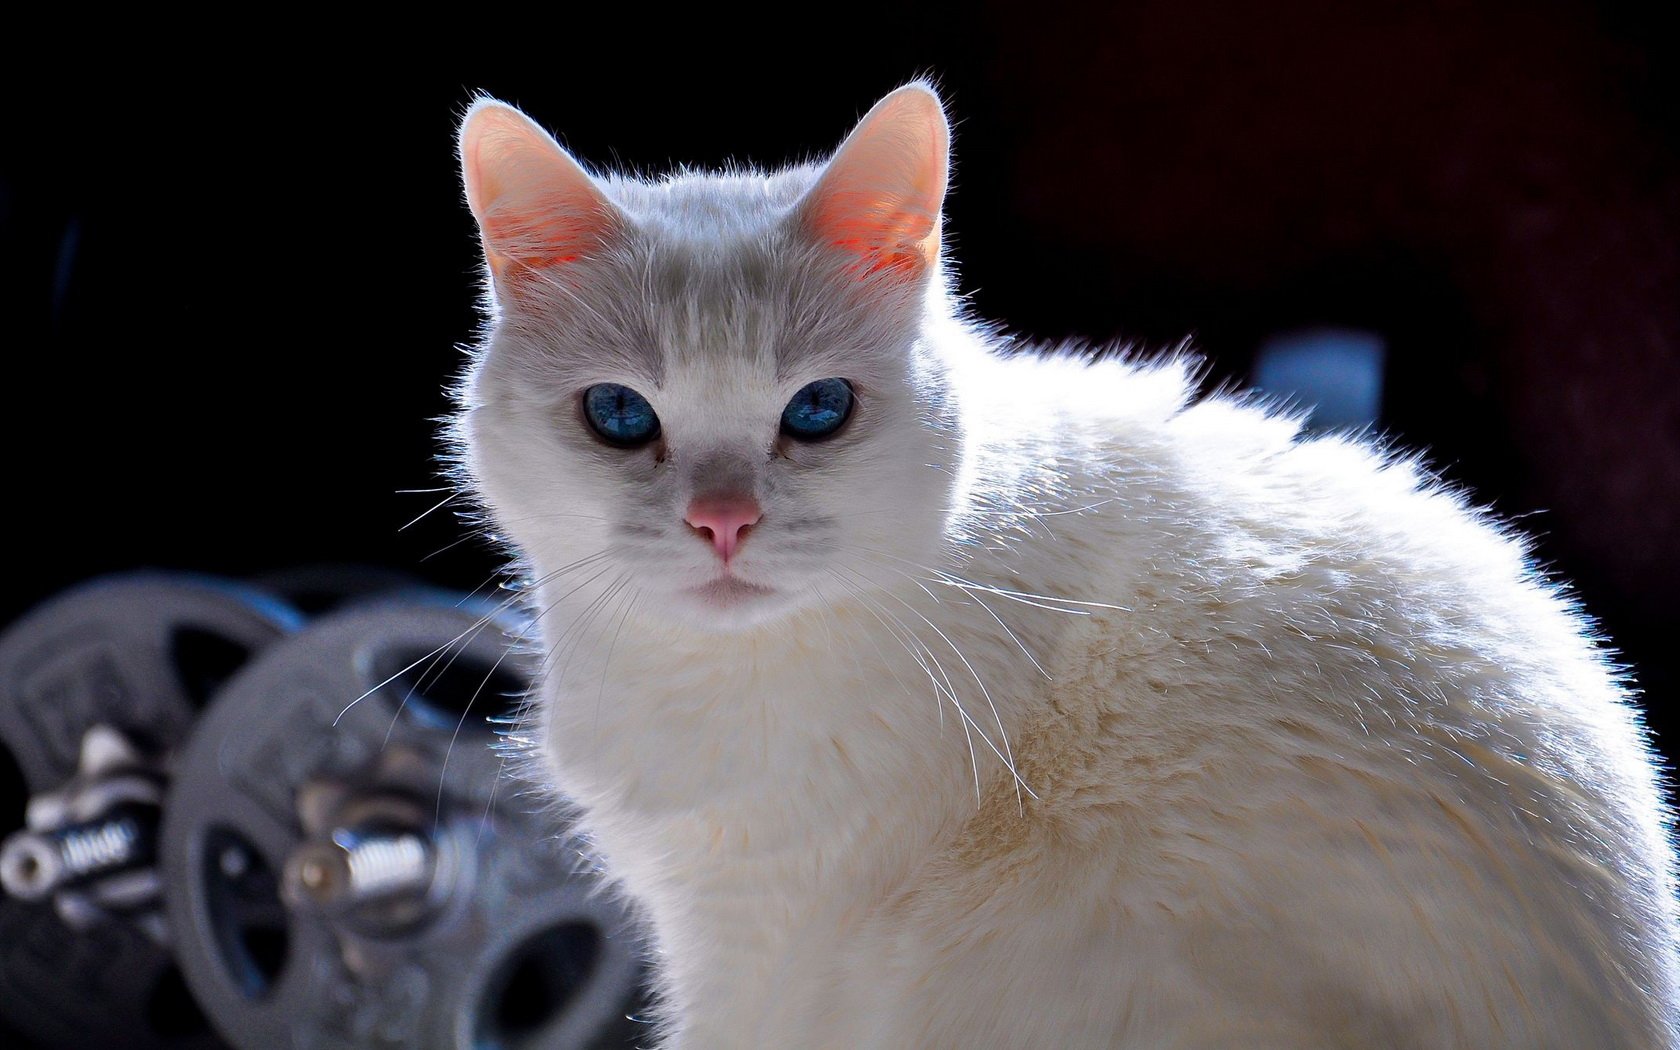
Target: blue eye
(818, 410)
(619, 415)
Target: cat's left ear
(536, 207)
(880, 196)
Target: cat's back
(1321, 749)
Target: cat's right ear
(536, 207)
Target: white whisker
(1007, 755)
(940, 692)
(439, 505)
(467, 634)
(606, 664)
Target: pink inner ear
(885, 234)
(535, 207)
(549, 230)
(880, 198)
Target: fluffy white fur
(1305, 753)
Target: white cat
(925, 694)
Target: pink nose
(724, 520)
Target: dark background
(234, 285)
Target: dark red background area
(234, 285)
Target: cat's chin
(729, 590)
(728, 603)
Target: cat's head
(715, 391)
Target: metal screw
(30, 868)
(33, 864)
(355, 868)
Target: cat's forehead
(710, 277)
(711, 285)
(710, 207)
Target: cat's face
(713, 393)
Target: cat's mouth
(728, 592)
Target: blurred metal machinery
(97, 687)
(303, 837)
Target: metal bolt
(34, 864)
(30, 868)
(355, 868)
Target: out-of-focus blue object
(1335, 372)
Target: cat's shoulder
(1159, 415)
(1130, 461)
